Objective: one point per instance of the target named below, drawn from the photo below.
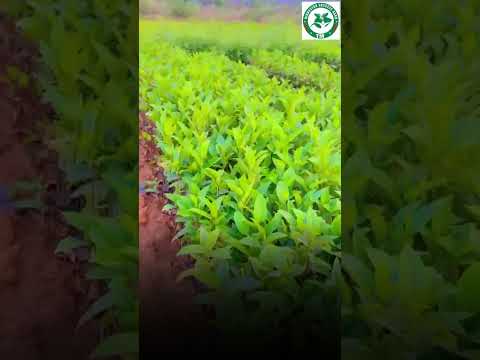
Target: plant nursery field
(241, 147)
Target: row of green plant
(239, 40)
(255, 165)
(411, 219)
(286, 59)
(301, 58)
(88, 73)
(297, 71)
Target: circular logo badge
(320, 20)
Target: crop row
(240, 40)
(316, 67)
(255, 165)
(246, 53)
(296, 70)
(87, 75)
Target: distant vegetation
(255, 10)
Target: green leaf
(201, 213)
(283, 192)
(221, 254)
(244, 283)
(68, 244)
(82, 221)
(208, 239)
(118, 344)
(260, 211)
(101, 305)
(416, 278)
(168, 207)
(184, 274)
(359, 272)
(192, 250)
(385, 272)
(337, 225)
(320, 266)
(468, 289)
(241, 223)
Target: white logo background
(311, 19)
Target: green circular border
(313, 33)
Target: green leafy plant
(151, 186)
(258, 192)
(410, 226)
(87, 75)
(239, 40)
(298, 71)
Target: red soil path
(42, 296)
(163, 300)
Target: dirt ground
(168, 312)
(42, 295)
(159, 264)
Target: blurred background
(228, 10)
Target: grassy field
(244, 34)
